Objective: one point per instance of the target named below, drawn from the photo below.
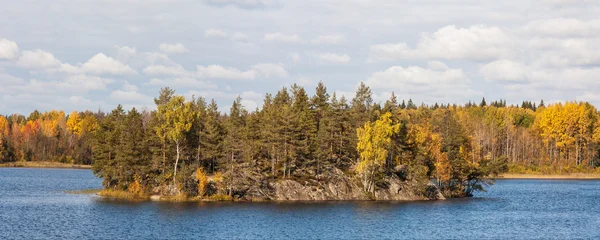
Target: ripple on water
(33, 204)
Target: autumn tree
(373, 143)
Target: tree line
(183, 143)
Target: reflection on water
(33, 204)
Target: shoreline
(44, 165)
(590, 176)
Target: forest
(189, 147)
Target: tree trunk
(176, 162)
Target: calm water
(33, 205)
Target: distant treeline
(294, 136)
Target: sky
(78, 55)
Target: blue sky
(77, 55)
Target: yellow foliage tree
(202, 181)
(74, 123)
(374, 139)
(135, 187)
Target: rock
(155, 197)
(338, 186)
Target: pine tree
(322, 112)
(304, 131)
(411, 105)
(391, 105)
(214, 131)
(283, 135)
(234, 142)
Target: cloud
(131, 96)
(476, 43)
(266, 70)
(240, 37)
(8, 49)
(218, 71)
(567, 2)
(172, 48)
(334, 58)
(250, 4)
(9, 80)
(162, 70)
(269, 70)
(563, 27)
(504, 70)
(187, 82)
(437, 81)
(283, 38)
(295, 57)
(86, 82)
(329, 39)
(37, 59)
(519, 76)
(125, 53)
(102, 64)
(215, 33)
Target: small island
(298, 147)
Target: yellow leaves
(135, 187)
(565, 124)
(373, 141)
(79, 124)
(202, 181)
(443, 167)
(74, 123)
(3, 126)
(178, 116)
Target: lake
(34, 205)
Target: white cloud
(130, 97)
(295, 57)
(102, 64)
(162, 70)
(329, 39)
(9, 80)
(504, 70)
(267, 70)
(270, 70)
(187, 82)
(244, 3)
(240, 37)
(218, 71)
(283, 38)
(567, 2)
(441, 83)
(215, 33)
(563, 27)
(86, 82)
(124, 53)
(334, 58)
(477, 43)
(172, 48)
(521, 76)
(8, 49)
(38, 59)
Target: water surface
(34, 205)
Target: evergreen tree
(213, 135)
(304, 132)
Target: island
(296, 147)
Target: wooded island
(298, 147)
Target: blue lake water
(33, 205)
